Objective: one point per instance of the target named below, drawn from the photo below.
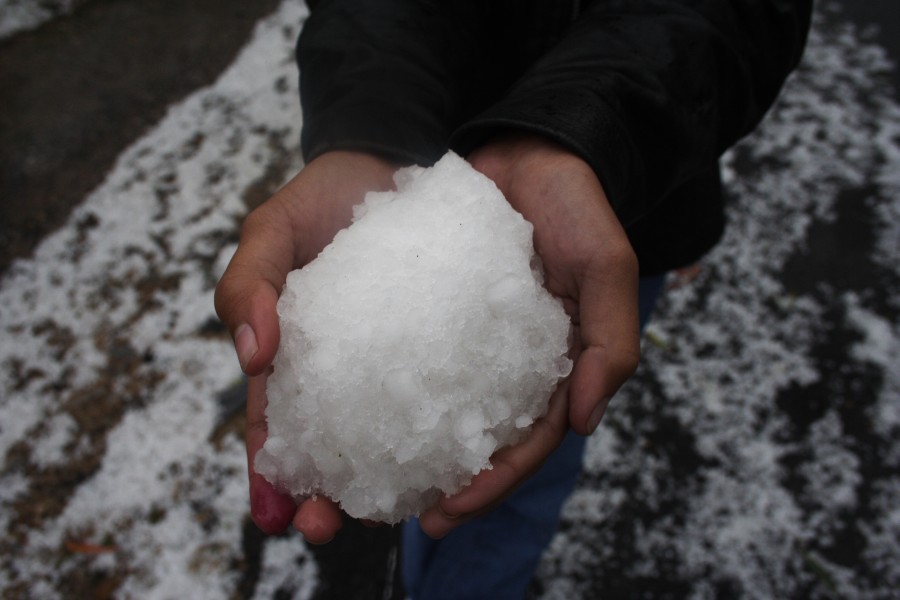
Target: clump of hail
(412, 348)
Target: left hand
(589, 264)
(286, 232)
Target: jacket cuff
(596, 136)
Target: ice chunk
(417, 344)
(503, 293)
(401, 386)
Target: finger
(609, 338)
(511, 466)
(270, 509)
(318, 519)
(248, 291)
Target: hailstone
(412, 348)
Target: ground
(754, 454)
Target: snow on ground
(112, 358)
(753, 455)
(21, 15)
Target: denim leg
(494, 557)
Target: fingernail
(245, 344)
(594, 420)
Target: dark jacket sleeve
(384, 76)
(650, 93)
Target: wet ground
(79, 90)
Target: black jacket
(649, 92)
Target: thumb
(246, 295)
(610, 342)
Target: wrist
(530, 169)
(517, 157)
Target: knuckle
(255, 221)
(222, 296)
(626, 362)
(230, 294)
(619, 255)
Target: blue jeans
(494, 557)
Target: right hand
(589, 264)
(283, 234)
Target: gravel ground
(754, 455)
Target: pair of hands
(588, 263)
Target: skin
(588, 263)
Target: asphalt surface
(78, 89)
